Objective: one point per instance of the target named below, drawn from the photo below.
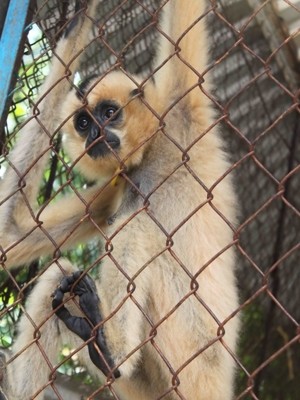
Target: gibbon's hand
(83, 327)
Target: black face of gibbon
(96, 127)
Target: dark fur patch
(137, 92)
(83, 86)
(75, 19)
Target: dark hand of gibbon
(83, 327)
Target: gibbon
(160, 319)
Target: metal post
(11, 45)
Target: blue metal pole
(10, 42)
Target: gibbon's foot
(85, 289)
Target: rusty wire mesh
(253, 65)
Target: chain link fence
(255, 73)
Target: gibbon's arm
(185, 39)
(27, 161)
(61, 225)
(36, 137)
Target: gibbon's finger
(66, 283)
(84, 284)
(86, 290)
(101, 356)
(88, 299)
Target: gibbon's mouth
(103, 147)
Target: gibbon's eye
(83, 122)
(109, 112)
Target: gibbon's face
(107, 125)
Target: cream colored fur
(182, 267)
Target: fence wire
(255, 74)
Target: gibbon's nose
(95, 132)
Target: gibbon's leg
(19, 189)
(41, 336)
(83, 326)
